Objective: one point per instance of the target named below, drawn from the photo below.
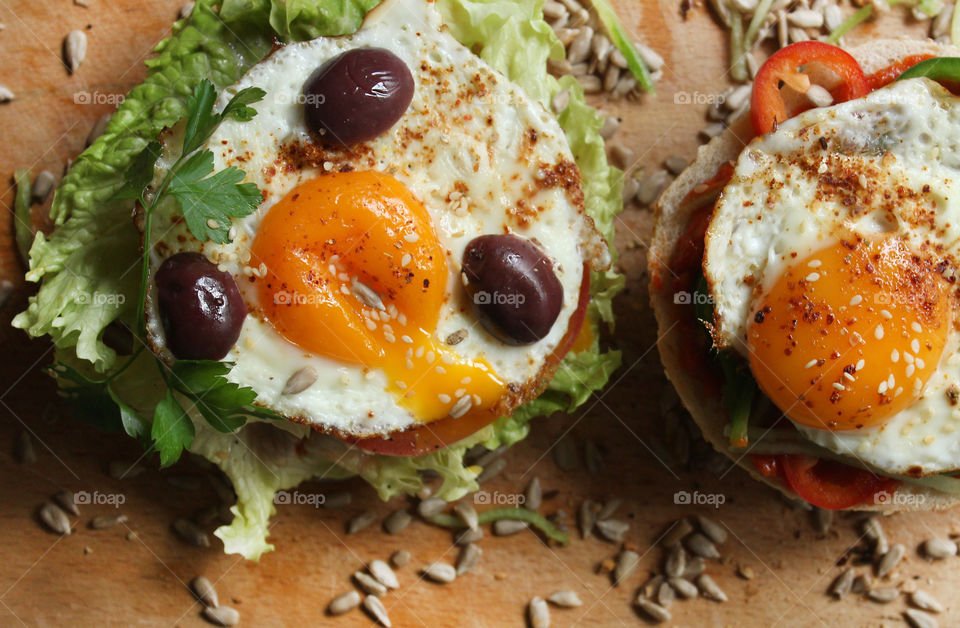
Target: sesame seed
(813, 276)
(345, 379)
(878, 332)
(406, 259)
(465, 381)
(921, 364)
(898, 391)
(810, 364)
(343, 276)
(860, 364)
(431, 356)
(444, 398)
(332, 269)
(894, 356)
(460, 392)
(857, 339)
(419, 352)
(213, 224)
(928, 440)
(891, 382)
(911, 369)
(401, 385)
(447, 358)
(441, 370)
(409, 353)
(411, 237)
(838, 386)
(476, 400)
(370, 324)
(407, 339)
(882, 389)
(915, 326)
(908, 357)
(814, 263)
(856, 300)
(915, 346)
(461, 408)
(849, 377)
(409, 364)
(389, 337)
(886, 314)
(387, 328)
(402, 319)
(369, 375)
(344, 289)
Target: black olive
(200, 307)
(357, 96)
(514, 290)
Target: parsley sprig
(208, 201)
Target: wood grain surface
(112, 577)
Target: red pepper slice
(888, 74)
(833, 485)
(790, 66)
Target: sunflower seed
(695, 567)
(610, 126)
(189, 532)
(613, 529)
(538, 613)
(819, 96)
(492, 470)
(609, 508)
(65, 500)
(367, 295)
(883, 595)
(579, 48)
(890, 559)
(676, 164)
(711, 529)
(506, 527)
(430, 507)
(221, 615)
(601, 46)
(711, 130)
(361, 521)
(440, 572)
(841, 584)
(919, 619)
(467, 536)
(805, 18)
(700, 545)
(651, 586)
(939, 548)
(468, 514)
(684, 588)
(560, 101)
(666, 595)
(586, 518)
(651, 186)
(872, 529)
(710, 589)
(376, 610)
(923, 600)
(381, 571)
(590, 84)
(627, 562)
(397, 522)
(105, 522)
(98, 128)
(468, 558)
(941, 23)
(344, 603)
(621, 155)
(610, 79)
(123, 469)
(74, 49)
(861, 584)
(42, 186)
(533, 495)
(368, 584)
(337, 499)
(630, 188)
(822, 520)
(185, 10)
(23, 450)
(676, 533)
(565, 599)
(204, 591)
(400, 558)
(652, 609)
(676, 562)
(301, 380)
(6, 94)
(54, 518)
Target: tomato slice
(793, 66)
(829, 484)
(439, 434)
(888, 74)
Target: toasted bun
(671, 221)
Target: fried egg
(350, 267)
(832, 259)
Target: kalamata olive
(357, 96)
(515, 292)
(200, 307)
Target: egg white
(773, 211)
(450, 133)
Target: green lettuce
(94, 248)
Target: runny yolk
(355, 273)
(848, 337)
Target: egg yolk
(355, 272)
(848, 337)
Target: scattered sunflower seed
(468, 536)
(376, 609)
(939, 548)
(301, 380)
(457, 337)
(190, 533)
(666, 595)
(711, 130)
(98, 128)
(712, 530)
(185, 10)
(369, 584)
(221, 615)
(609, 508)
(675, 535)
(492, 470)
(627, 562)
(54, 518)
(610, 126)
(651, 186)
(700, 545)
(565, 454)
(344, 603)
(82, 3)
(203, 589)
(890, 559)
(676, 164)
(710, 589)
(24, 450)
(430, 507)
(361, 521)
(822, 520)
(367, 295)
(842, 583)
(684, 588)
(66, 501)
(919, 619)
(506, 527)
(400, 558)
(6, 94)
(560, 101)
(676, 562)
(745, 572)
(468, 558)
(612, 529)
(883, 595)
(440, 572)
(923, 600)
(861, 584)
(381, 571)
(565, 599)
(651, 586)
(652, 609)
(42, 186)
(468, 514)
(397, 522)
(586, 518)
(695, 567)
(539, 613)
(105, 522)
(74, 49)
(533, 495)
(337, 499)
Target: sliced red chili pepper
(888, 74)
(833, 485)
(790, 66)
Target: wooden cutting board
(105, 578)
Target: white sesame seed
(476, 400)
(839, 386)
(911, 369)
(407, 339)
(411, 237)
(460, 392)
(921, 364)
(857, 339)
(334, 258)
(908, 357)
(856, 300)
(401, 385)
(813, 277)
(441, 370)
(345, 379)
(332, 269)
(886, 314)
(406, 259)
(402, 319)
(465, 381)
(849, 377)
(369, 375)
(898, 391)
(447, 358)
(891, 382)
(894, 356)
(389, 337)
(860, 364)
(882, 389)
(915, 346)
(419, 352)
(213, 224)
(915, 326)
(409, 364)
(431, 356)
(409, 353)
(444, 398)
(343, 276)
(344, 289)
(810, 364)
(370, 324)
(387, 328)
(878, 332)
(814, 263)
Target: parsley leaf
(140, 173)
(202, 121)
(224, 404)
(209, 203)
(172, 430)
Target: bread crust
(671, 219)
